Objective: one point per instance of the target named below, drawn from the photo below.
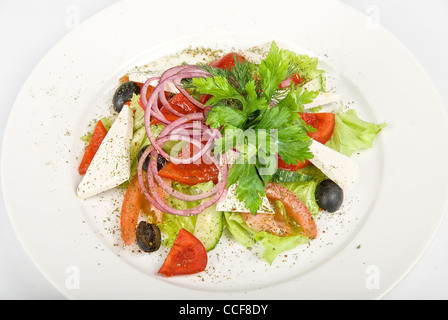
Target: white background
(28, 29)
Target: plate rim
(8, 124)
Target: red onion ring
(216, 193)
(182, 129)
(141, 181)
(144, 90)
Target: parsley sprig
(258, 119)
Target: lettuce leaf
(305, 191)
(273, 245)
(306, 66)
(352, 134)
(172, 223)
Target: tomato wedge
(190, 174)
(272, 223)
(228, 61)
(292, 167)
(97, 138)
(130, 211)
(295, 208)
(179, 103)
(187, 256)
(324, 124)
(204, 98)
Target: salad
(234, 143)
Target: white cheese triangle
(336, 166)
(111, 165)
(323, 99)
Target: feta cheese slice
(336, 166)
(324, 98)
(111, 165)
(232, 204)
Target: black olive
(329, 196)
(124, 93)
(148, 236)
(161, 161)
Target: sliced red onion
(151, 193)
(186, 129)
(144, 90)
(189, 97)
(141, 180)
(184, 119)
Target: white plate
(360, 254)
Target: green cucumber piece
(209, 226)
(317, 84)
(282, 176)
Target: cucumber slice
(290, 176)
(209, 226)
(317, 84)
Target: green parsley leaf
(296, 98)
(235, 173)
(293, 145)
(219, 88)
(253, 102)
(222, 115)
(277, 117)
(250, 188)
(273, 70)
(258, 118)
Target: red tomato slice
(168, 115)
(97, 138)
(179, 103)
(204, 98)
(187, 256)
(295, 208)
(324, 124)
(190, 174)
(130, 211)
(296, 78)
(228, 61)
(292, 167)
(123, 79)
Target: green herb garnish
(258, 118)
